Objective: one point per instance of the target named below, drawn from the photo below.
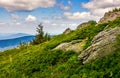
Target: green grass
(40, 61)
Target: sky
(23, 16)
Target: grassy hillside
(41, 61)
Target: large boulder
(85, 24)
(75, 45)
(67, 31)
(109, 16)
(103, 44)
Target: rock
(109, 16)
(75, 45)
(102, 45)
(67, 31)
(83, 25)
(86, 24)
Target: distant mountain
(90, 51)
(11, 35)
(10, 43)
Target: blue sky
(56, 15)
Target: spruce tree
(40, 37)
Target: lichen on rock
(102, 45)
(75, 45)
(109, 16)
(67, 31)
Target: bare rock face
(67, 31)
(109, 16)
(75, 45)
(82, 25)
(103, 44)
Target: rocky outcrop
(75, 45)
(109, 16)
(83, 25)
(103, 44)
(67, 31)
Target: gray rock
(75, 45)
(103, 44)
(67, 31)
(83, 25)
(109, 16)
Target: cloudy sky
(23, 16)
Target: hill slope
(41, 61)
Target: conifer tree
(40, 37)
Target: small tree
(116, 10)
(22, 44)
(40, 37)
(47, 37)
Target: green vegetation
(113, 24)
(115, 10)
(41, 61)
(40, 37)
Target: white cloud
(76, 15)
(54, 24)
(46, 22)
(57, 27)
(100, 7)
(95, 4)
(65, 7)
(14, 16)
(28, 5)
(73, 24)
(18, 24)
(60, 23)
(31, 18)
(57, 17)
(96, 10)
(14, 23)
(2, 23)
(69, 2)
